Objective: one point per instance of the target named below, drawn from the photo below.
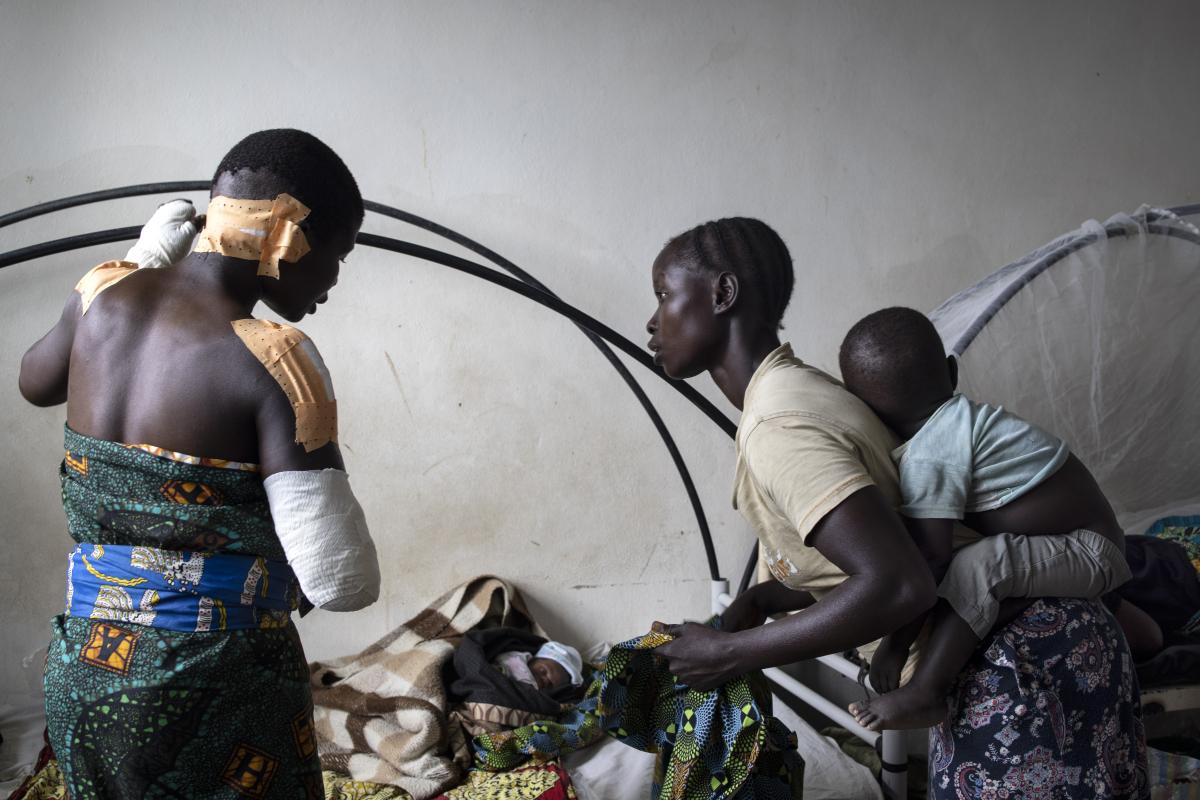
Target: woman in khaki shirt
(1048, 703)
(814, 476)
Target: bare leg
(923, 701)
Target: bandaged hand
(167, 236)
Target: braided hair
(748, 248)
(307, 169)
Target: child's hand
(887, 664)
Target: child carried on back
(1047, 529)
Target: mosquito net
(1096, 338)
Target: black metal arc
(518, 287)
(68, 243)
(597, 332)
(138, 190)
(687, 390)
(693, 396)
(659, 425)
(592, 325)
(383, 243)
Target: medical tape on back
(265, 231)
(100, 278)
(294, 363)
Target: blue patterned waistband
(179, 590)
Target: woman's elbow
(914, 595)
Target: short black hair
(307, 169)
(896, 356)
(750, 249)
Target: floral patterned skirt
(1048, 710)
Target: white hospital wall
(902, 150)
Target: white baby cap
(566, 656)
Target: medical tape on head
(265, 231)
(100, 278)
(294, 363)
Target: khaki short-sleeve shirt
(804, 445)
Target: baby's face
(549, 674)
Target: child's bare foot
(906, 708)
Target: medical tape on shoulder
(266, 231)
(100, 278)
(294, 363)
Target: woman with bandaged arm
(203, 484)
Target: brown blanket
(382, 715)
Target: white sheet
(828, 772)
(613, 771)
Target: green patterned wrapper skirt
(135, 706)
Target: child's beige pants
(1077, 564)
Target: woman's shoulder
(796, 393)
(286, 352)
(263, 334)
(295, 364)
(101, 277)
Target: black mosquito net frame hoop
(521, 282)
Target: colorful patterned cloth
(1048, 710)
(536, 782)
(46, 783)
(343, 787)
(718, 744)
(140, 711)
(1173, 776)
(179, 590)
(126, 495)
(1185, 530)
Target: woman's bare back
(156, 360)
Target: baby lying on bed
(1048, 530)
(505, 677)
(553, 666)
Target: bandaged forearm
(325, 537)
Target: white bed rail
(892, 752)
